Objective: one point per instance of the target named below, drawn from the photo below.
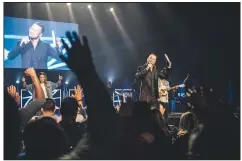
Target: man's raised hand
(30, 72)
(79, 57)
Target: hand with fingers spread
(79, 58)
(12, 91)
(60, 80)
(14, 94)
(78, 94)
(23, 79)
(79, 88)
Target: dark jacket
(37, 57)
(147, 92)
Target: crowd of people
(208, 131)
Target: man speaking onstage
(149, 76)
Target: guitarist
(163, 89)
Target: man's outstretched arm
(101, 114)
(39, 94)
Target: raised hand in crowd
(78, 94)
(79, 55)
(101, 114)
(14, 94)
(30, 72)
(60, 78)
(23, 79)
(39, 94)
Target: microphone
(22, 44)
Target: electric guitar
(164, 92)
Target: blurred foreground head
(12, 135)
(44, 139)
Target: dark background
(202, 39)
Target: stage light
(17, 81)
(89, 6)
(111, 9)
(110, 79)
(68, 4)
(66, 82)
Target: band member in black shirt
(150, 82)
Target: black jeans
(162, 121)
(166, 113)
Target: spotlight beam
(123, 32)
(100, 32)
(71, 14)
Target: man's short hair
(153, 54)
(40, 25)
(44, 135)
(150, 55)
(69, 107)
(49, 105)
